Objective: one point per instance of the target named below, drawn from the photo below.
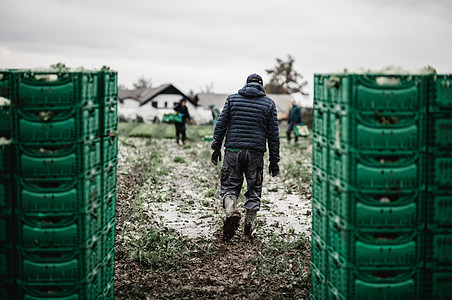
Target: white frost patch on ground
(185, 203)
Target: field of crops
(169, 217)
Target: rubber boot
(232, 220)
(250, 218)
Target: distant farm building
(150, 104)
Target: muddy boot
(250, 218)
(231, 223)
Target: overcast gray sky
(193, 43)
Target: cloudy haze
(194, 43)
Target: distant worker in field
(294, 119)
(182, 109)
(215, 113)
(249, 121)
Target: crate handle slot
(46, 115)
(384, 274)
(387, 80)
(49, 184)
(387, 159)
(49, 255)
(50, 220)
(387, 236)
(386, 198)
(46, 77)
(50, 290)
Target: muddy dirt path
(180, 194)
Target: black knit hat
(255, 78)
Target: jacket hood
(252, 90)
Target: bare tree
(142, 82)
(284, 79)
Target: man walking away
(294, 119)
(249, 121)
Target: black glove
(273, 168)
(216, 155)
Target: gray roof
(282, 101)
(144, 95)
(205, 100)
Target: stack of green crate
(62, 237)
(6, 191)
(369, 188)
(320, 188)
(109, 145)
(438, 272)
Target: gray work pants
(235, 164)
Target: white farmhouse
(150, 104)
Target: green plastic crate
(109, 207)
(438, 283)
(108, 268)
(439, 209)
(57, 159)
(377, 209)
(109, 117)
(5, 84)
(320, 152)
(88, 288)
(319, 220)
(440, 93)
(109, 290)
(320, 186)
(63, 195)
(318, 283)
(58, 230)
(62, 124)
(378, 170)
(335, 88)
(321, 88)
(7, 259)
(8, 291)
(439, 246)
(109, 178)
(59, 265)
(376, 247)
(440, 131)
(108, 85)
(319, 253)
(377, 130)
(6, 223)
(390, 92)
(5, 121)
(5, 158)
(109, 148)
(321, 119)
(108, 237)
(374, 91)
(34, 88)
(6, 193)
(384, 282)
(439, 170)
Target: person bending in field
(249, 121)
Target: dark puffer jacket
(249, 119)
